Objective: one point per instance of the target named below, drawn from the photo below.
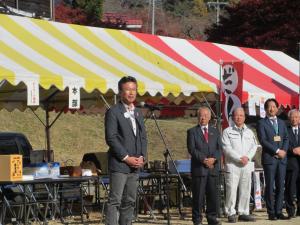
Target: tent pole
(37, 117)
(115, 99)
(206, 102)
(47, 123)
(47, 132)
(105, 102)
(219, 106)
(47, 126)
(299, 78)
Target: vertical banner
(74, 97)
(257, 189)
(33, 93)
(232, 89)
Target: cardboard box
(11, 167)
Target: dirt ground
(95, 218)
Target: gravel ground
(261, 219)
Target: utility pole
(52, 10)
(217, 6)
(153, 18)
(218, 12)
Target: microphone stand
(167, 154)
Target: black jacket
(200, 149)
(293, 160)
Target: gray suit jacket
(200, 149)
(121, 140)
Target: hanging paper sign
(33, 93)
(74, 97)
(257, 187)
(251, 105)
(232, 90)
(262, 111)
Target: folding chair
(19, 204)
(70, 194)
(100, 160)
(8, 211)
(104, 184)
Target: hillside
(172, 18)
(73, 135)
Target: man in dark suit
(298, 193)
(203, 142)
(273, 136)
(126, 137)
(293, 160)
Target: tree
(167, 23)
(267, 24)
(67, 14)
(181, 8)
(199, 8)
(84, 12)
(93, 9)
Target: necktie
(205, 134)
(275, 125)
(296, 135)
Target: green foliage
(199, 8)
(179, 7)
(260, 24)
(234, 2)
(134, 3)
(186, 7)
(93, 8)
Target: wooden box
(11, 168)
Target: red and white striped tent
(58, 56)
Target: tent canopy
(58, 55)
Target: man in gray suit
(126, 137)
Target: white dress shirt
(202, 128)
(294, 130)
(130, 111)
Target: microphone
(150, 107)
